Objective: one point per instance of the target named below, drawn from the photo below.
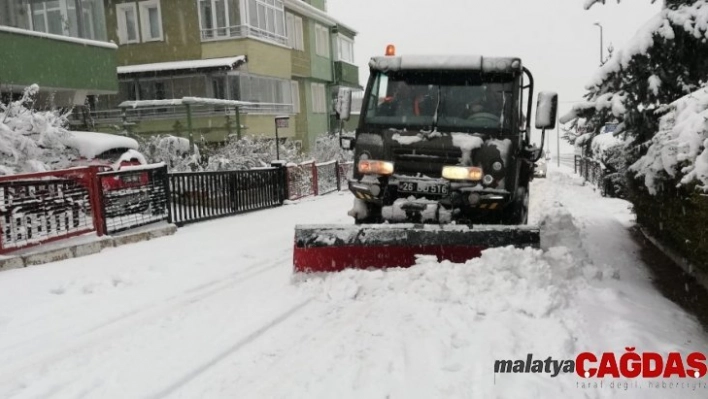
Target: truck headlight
(462, 173)
(374, 167)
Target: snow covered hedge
(31, 140)
(655, 89)
(679, 152)
(245, 153)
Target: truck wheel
(373, 212)
(518, 211)
(373, 217)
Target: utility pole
(602, 45)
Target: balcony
(62, 63)
(345, 73)
(115, 116)
(241, 32)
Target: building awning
(212, 63)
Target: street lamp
(601, 43)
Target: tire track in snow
(309, 343)
(231, 350)
(96, 335)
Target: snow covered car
(541, 168)
(127, 193)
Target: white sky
(555, 39)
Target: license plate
(414, 187)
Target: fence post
(283, 183)
(315, 186)
(96, 200)
(338, 175)
(168, 194)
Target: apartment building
(283, 56)
(60, 45)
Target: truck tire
(517, 212)
(373, 215)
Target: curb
(84, 249)
(685, 265)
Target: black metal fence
(198, 196)
(134, 197)
(589, 169)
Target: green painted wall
(180, 29)
(318, 4)
(263, 58)
(345, 73)
(301, 60)
(56, 63)
(321, 66)
(316, 123)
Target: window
(345, 49)
(214, 17)
(294, 32)
(295, 93)
(319, 98)
(75, 18)
(151, 20)
(321, 40)
(127, 23)
(266, 18)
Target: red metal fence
(42, 207)
(312, 179)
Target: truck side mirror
(344, 103)
(546, 110)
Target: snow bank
(680, 149)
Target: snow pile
(31, 141)
(406, 140)
(92, 144)
(680, 149)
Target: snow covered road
(214, 312)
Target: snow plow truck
(442, 164)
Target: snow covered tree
(658, 66)
(31, 140)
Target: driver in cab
(408, 100)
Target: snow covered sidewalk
(214, 312)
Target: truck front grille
(428, 162)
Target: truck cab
(445, 140)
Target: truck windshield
(459, 101)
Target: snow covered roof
(91, 144)
(433, 62)
(227, 62)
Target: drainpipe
(332, 43)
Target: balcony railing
(114, 116)
(240, 32)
